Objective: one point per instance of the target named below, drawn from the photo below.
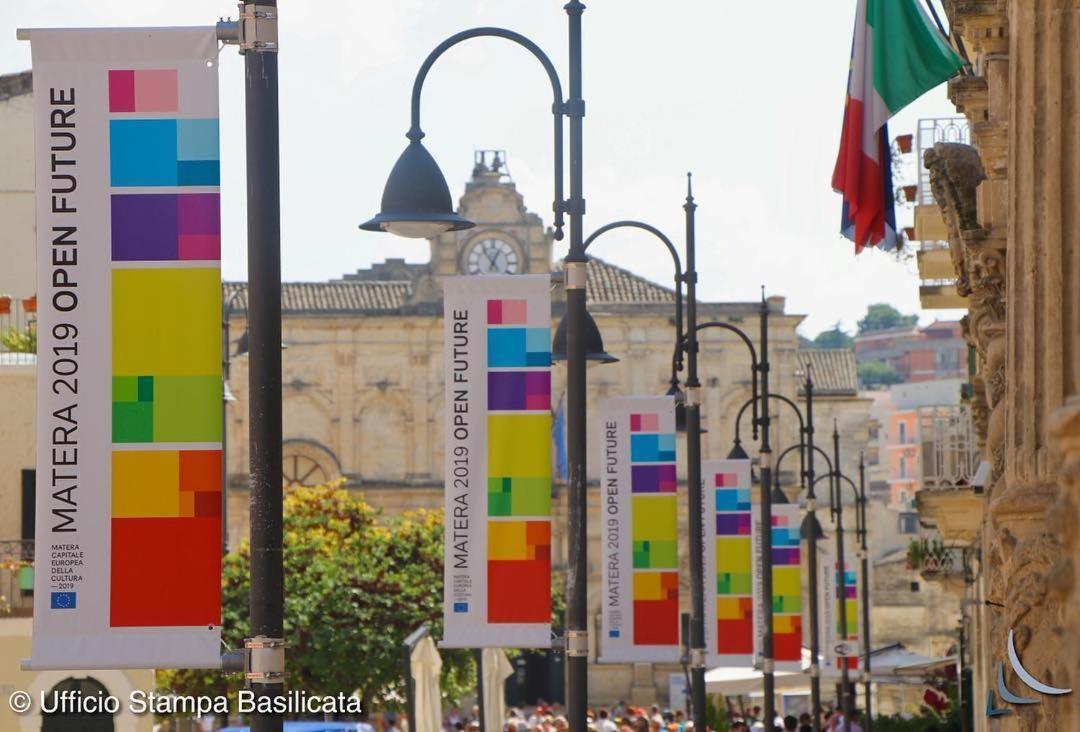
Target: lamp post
(416, 203)
(865, 593)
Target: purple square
(199, 213)
(733, 524)
(144, 227)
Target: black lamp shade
(594, 343)
(811, 527)
(416, 200)
(737, 452)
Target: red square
(165, 572)
(519, 591)
(736, 636)
(200, 471)
(635, 423)
(727, 480)
(207, 505)
(494, 312)
(122, 91)
(656, 622)
(788, 646)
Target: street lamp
(416, 203)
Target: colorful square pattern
(165, 499)
(163, 152)
(656, 608)
(166, 227)
(734, 563)
(518, 465)
(143, 90)
(848, 581)
(787, 583)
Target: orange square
(187, 504)
(200, 471)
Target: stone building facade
(1010, 202)
(363, 380)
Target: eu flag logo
(62, 601)
(461, 607)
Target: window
(908, 523)
(903, 433)
(903, 466)
(914, 586)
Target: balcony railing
(949, 454)
(930, 132)
(16, 578)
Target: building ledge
(956, 512)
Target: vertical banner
(836, 645)
(786, 587)
(497, 574)
(639, 530)
(128, 534)
(729, 618)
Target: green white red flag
(897, 55)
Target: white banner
(639, 531)
(786, 589)
(729, 620)
(128, 529)
(835, 646)
(497, 570)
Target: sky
(747, 96)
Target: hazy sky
(747, 95)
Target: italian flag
(897, 54)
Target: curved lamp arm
(676, 363)
(753, 359)
(780, 397)
(859, 528)
(817, 450)
(779, 460)
(558, 108)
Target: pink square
(206, 247)
(494, 315)
(727, 480)
(635, 423)
(538, 401)
(779, 520)
(650, 422)
(121, 91)
(513, 312)
(156, 90)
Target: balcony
(16, 578)
(949, 500)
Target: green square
(125, 389)
(663, 555)
(187, 408)
(498, 504)
(132, 422)
(146, 388)
(788, 604)
(530, 496)
(641, 555)
(741, 583)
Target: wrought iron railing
(16, 577)
(930, 132)
(949, 453)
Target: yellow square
(145, 483)
(506, 540)
(733, 554)
(786, 581)
(519, 445)
(166, 322)
(654, 518)
(729, 608)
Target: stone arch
(114, 682)
(307, 462)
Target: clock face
(491, 256)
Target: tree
(882, 316)
(354, 589)
(878, 373)
(834, 338)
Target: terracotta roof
(833, 370)
(328, 297)
(14, 85)
(608, 285)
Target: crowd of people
(624, 717)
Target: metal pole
(577, 643)
(695, 489)
(811, 508)
(765, 451)
(264, 313)
(869, 723)
(841, 585)
(479, 655)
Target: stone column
(1043, 325)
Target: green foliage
(882, 316)
(20, 341)
(877, 373)
(833, 338)
(354, 589)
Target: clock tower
(507, 238)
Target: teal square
(538, 340)
(146, 388)
(197, 139)
(142, 152)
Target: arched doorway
(65, 721)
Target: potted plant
(910, 193)
(5, 304)
(904, 143)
